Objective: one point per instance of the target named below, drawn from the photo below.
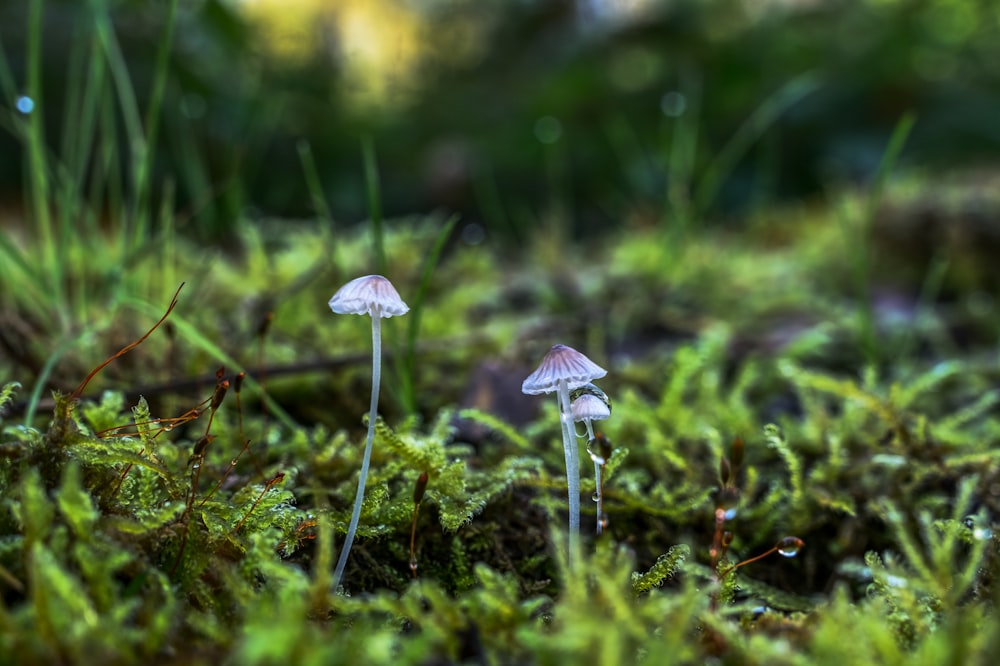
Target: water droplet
(730, 514)
(233, 462)
(789, 546)
(168, 428)
(25, 104)
(596, 497)
(196, 466)
(896, 581)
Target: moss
(135, 530)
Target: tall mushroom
(562, 370)
(372, 295)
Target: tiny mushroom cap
(562, 363)
(588, 406)
(372, 295)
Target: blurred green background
(590, 114)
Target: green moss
(118, 541)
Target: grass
(183, 526)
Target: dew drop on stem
(789, 546)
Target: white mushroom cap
(372, 295)
(589, 406)
(562, 363)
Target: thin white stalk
(598, 497)
(572, 471)
(372, 415)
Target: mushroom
(372, 295)
(562, 370)
(588, 404)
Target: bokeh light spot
(673, 104)
(548, 130)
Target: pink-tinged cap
(589, 407)
(371, 295)
(562, 363)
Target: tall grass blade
(930, 289)
(58, 351)
(316, 191)
(372, 189)
(409, 370)
(682, 153)
(143, 187)
(38, 172)
(862, 242)
(125, 93)
(749, 132)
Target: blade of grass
(930, 289)
(7, 85)
(683, 150)
(14, 256)
(491, 203)
(372, 189)
(16, 268)
(145, 166)
(316, 192)
(131, 228)
(196, 178)
(861, 243)
(408, 375)
(168, 242)
(748, 133)
(38, 173)
(70, 168)
(60, 349)
(81, 121)
(108, 190)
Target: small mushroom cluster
(563, 370)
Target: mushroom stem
(572, 471)
(372, 415)
(599, 498)
(599, 487)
